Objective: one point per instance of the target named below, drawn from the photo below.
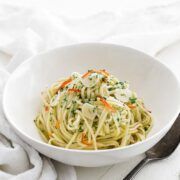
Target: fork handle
(137, 168)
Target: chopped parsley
(65, 99)
(73, 111)
(132, 100)
(121, 83)
(95, 125)
(80, 129)
(112, 88)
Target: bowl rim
(157, 134)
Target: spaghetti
(92, 111)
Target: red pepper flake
(65, 83)
(84, 140)
(131, 106)
(74, 90)
(46, 108)
(103, 72)
(87, 74)
(106, 104)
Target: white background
(81, 9)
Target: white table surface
(170, 56)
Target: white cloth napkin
(25, 32)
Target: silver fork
(161, 150)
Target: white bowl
(154, 82)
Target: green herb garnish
(80, 129)
(132, 100)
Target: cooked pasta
(92, 111)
